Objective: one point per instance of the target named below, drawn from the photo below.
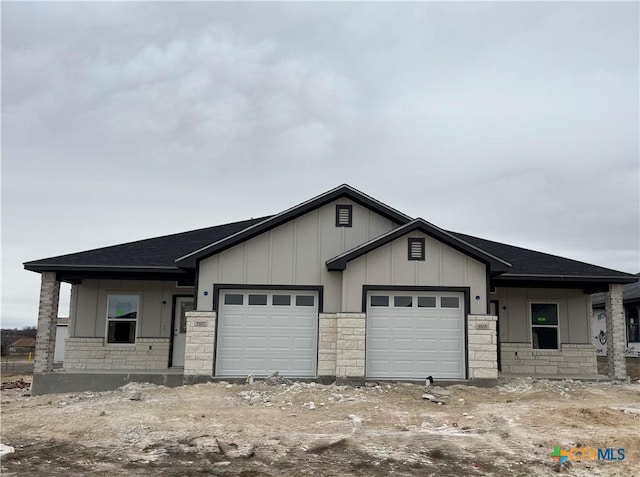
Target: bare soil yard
(308, 429)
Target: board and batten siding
(154, 316)
(574, 308)
(293, 253)
(388, 265)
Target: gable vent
(344, 215)
(416, 249)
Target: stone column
(199, 346)
(47, 320)
(327, 337)
(350, 347)
(483, 347)
(616, 333)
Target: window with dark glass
(449, 302)
(379, 300)
(305, 300)
(544, 325)
(426, 302)
(233, 299)
(281, 300)
(402, 301)
(122, 317)
(258, 300)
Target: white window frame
(531, 325)
(415, 295)
(293, 294)
(107, 320)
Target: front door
(182, 306)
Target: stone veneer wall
(327, 338)
(200, 343)
(570, 360)
(482, 347)
(93, 353)
(616, 332)
(350, 345)
(47, 320)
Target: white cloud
(514, 121)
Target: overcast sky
(516, 122)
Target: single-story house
(631, 304)
(23, 346)
(341, 287)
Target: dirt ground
(633, 367)
(302, 429)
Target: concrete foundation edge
(48, 383)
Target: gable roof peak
(497, 264)
(344, 190)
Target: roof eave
(44, 267)
(619, 279)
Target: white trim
(557, 326)
(111, 293)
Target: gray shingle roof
(530, 262)
(153, 252)
(160, 254)
(630, 294)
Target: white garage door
(415, 334)
(264, 331)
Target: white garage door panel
(281, 322)
(303, 343)
(450, 345)
(449, 325)
(415, 342)
(450, 366)
(259, 339)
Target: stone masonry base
(570, 360)
(327, 333)
(93, 353)
(199, 345)
(350, 346)
(341, 351)
(482, 347)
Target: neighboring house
(631, 301)
(341, 287)
(23, 346)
